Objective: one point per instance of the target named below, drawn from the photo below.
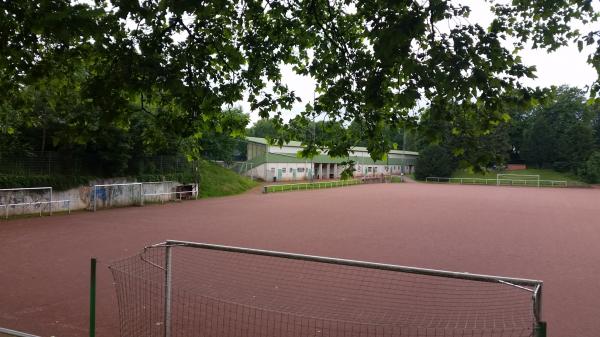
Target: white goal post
(106, 192)
(519, 178)
(158, 189)
(23, 197)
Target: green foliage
(225, 142)
(550, 25)
(434, 161)
(469, 145)
(311, 186)
(349, 169)
(263, 128)
(545, 174)
(71, 71)
(590, 171)
(75, 78)
(218, 181)
(59, 183)
(214, 179)
(559, 132)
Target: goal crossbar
(500, 177)
(356, 263)
(44, 189)
(537, 176)
(96, 186)
(177, 288)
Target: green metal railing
(310, 186)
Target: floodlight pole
(168, 289)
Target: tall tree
(560, 131)
(373, 61)
(263, 128)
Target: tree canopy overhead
(180, 62)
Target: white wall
(82, 197)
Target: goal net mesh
(230, 294)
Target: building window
(300, 169)
(369, 169)
(283, 170)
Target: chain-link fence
(64, 164)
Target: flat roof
(294, 143)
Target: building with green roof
(284, 163)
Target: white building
(274, 163)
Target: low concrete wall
(82, 197)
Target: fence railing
(38, 204)
(499, 182)
(310, 186)
(68, 164)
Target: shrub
(561, 166)
(434, 161)
(58, 182)
(590, 170)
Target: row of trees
(562, 132)
(117, 79)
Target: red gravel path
(549, 234)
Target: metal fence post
(540, 329)
(168, 289)
(50, 201)
(93, 297)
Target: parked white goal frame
(106, 192)
(166, 190)
(17, 199)
(512, 178)
(180, 288)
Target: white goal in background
(518, 179)
(109, 195)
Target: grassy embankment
(217, 181)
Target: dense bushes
(434, 161)
(59, 183)
(590, 171)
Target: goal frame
(521, 283)
(94, 192)
(536, 176)
(45, 189)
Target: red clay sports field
(547, 234)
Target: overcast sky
(564, 66)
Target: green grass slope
(217, 181)
(544, 174)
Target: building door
(310, 173)
(279, 174)
(294, 173)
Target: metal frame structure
(498, 182)
(33, 203)
(537, 176)
(15, 333)
(95, 192)
(177, 194)
(310, 186)
(25, 204)
(521, 283)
